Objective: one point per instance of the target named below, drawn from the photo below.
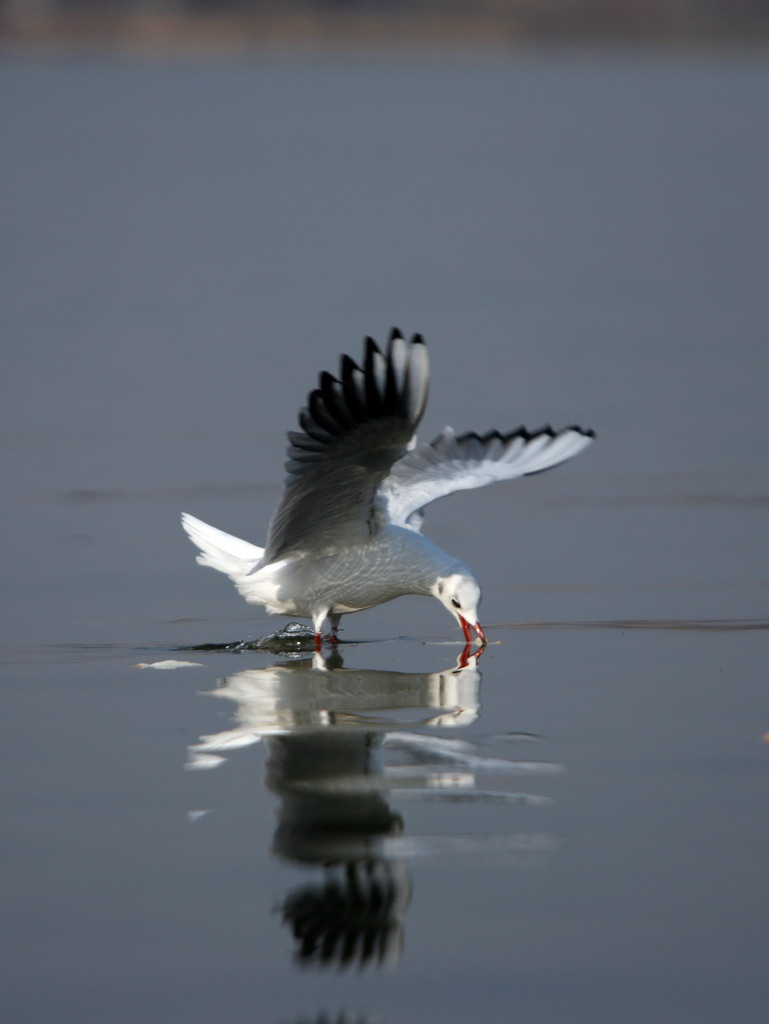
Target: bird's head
(460, 595)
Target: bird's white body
(346, 534)
(398, 561)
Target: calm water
(574, 829)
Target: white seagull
(346, 533)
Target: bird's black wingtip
(396, 334)
(585, 431)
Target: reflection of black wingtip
(353, 919)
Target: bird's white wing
(451, 463)
(353, 429)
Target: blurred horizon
(234, 25)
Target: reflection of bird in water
(325, 726)
(334, 814)
(327, 731)
(296, 696)
(346, 533)
(353, 917)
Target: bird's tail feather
(221, 550)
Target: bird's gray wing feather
(354, 428)
(455, 463)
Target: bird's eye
(455, 603)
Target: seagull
(346, 534)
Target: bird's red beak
(467, 630)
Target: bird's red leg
(331, 637)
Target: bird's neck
(423, 561)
